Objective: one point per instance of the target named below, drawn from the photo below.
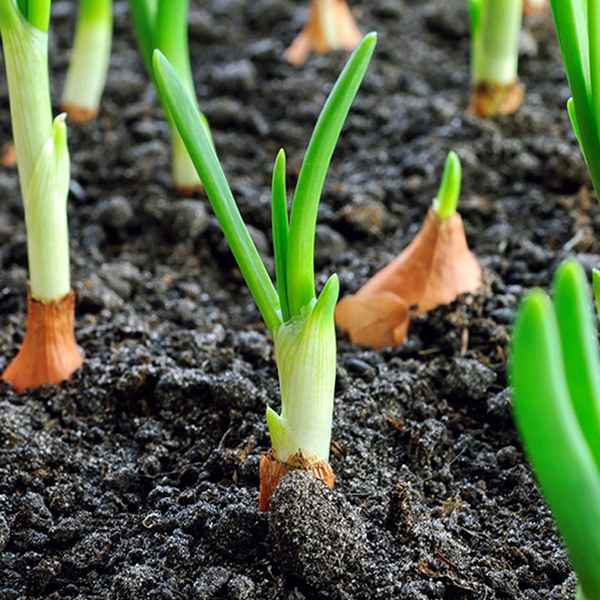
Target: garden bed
(139, 478)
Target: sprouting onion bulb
(162, 24)
(578, 27)
(88, 68)
(495, 26)
(445, 202)
(49, 352)
(302, 326)
(555, 376)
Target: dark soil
(139, 478)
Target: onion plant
(495, 26)
(162, 24)
(88, 68)
(301, 324)
(49, 352)
(578, 27)
(555, 376)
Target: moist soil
(139, 478)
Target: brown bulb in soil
(496, 99)
(434, 269)
(272, 471)
(79, 114)
(532, 7)
(49, 352)
(330, 26)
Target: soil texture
(139, 478)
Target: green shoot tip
(447, 199)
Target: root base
(49, 352)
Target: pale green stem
(88, 69)
(26, 57)
(305, 347)
(46, 218)
(184, 174)
(495, 27)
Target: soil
(139, 478)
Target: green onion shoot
(495, 27)
(578, 27)
(88, 68)
(49, 352)
(433, 270)
(301, 324)
(162, 24)
(555, 377)
(446, 200)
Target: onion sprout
(555, 376)
(162, 24)
(88, 69)
(302, 326)
(495, 26)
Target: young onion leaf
(447, 198)
(579, 349)
(300, 261)
(577, 23)
(204, 157)
(88, 68)
(280, 231)
(547, 417)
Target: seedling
(87, 72)
(578, 27)
(495, 26)
(162, 24)
(49, 353)
(434, 269)
(330, 26)
(302, 326)
(555, 376)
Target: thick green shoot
(300, 260)
(88, 68)
(445, 202)
(554, 372)
(495, 26)
(40, 144)
(46, 218)
(162, 25)
(302, 326)
(577, 24)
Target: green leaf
(447, 198)
(38, 14)
(578, 35)
(561, 458)
(300, 277)
(579, 349)
(280, 231)
(143, 14)
(475, 10)
(575, 124)
(596, 282)
(204, 157)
